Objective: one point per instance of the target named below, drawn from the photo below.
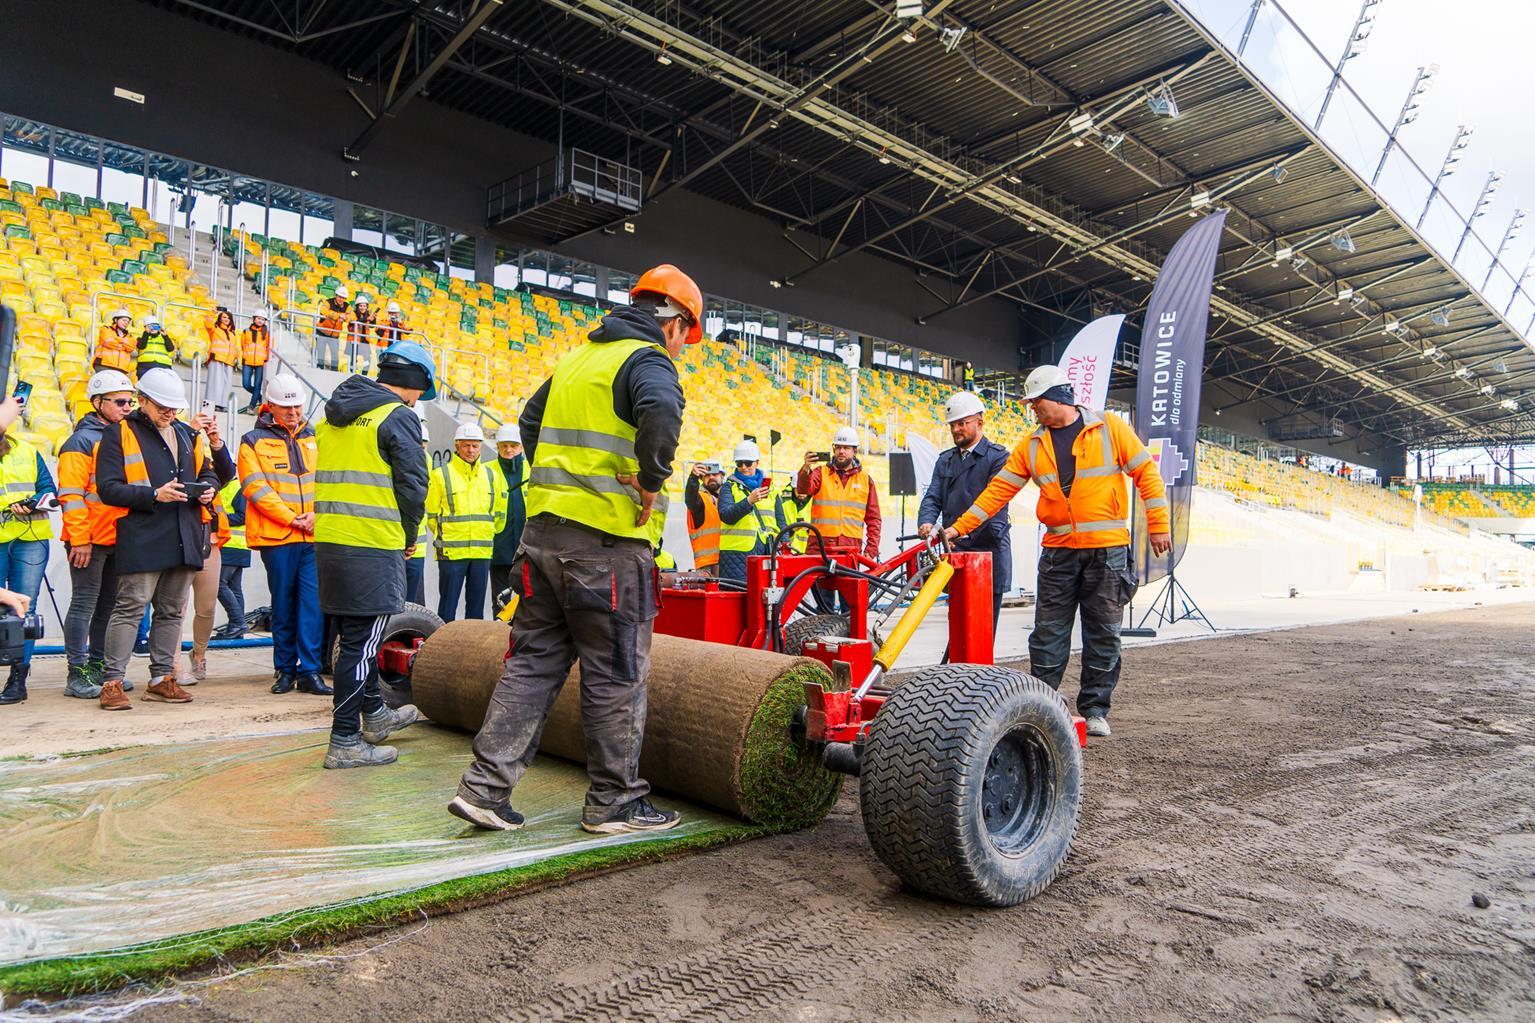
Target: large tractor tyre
(971, 784)
(413, 623)
(798, 631)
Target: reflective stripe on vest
(792, 511)
(838, 508)
(746, 533)
(156, 350)
(470, 532)
(354, 487)
(583, 446)
(1049, 482)
(706, 539)
(236, 541)
(18, 482)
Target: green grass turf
(782, 785)
(76, 975)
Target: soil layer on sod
(139, 861)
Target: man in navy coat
(959, 476)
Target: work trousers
(252, 378)
(327, 351)
(166, 592)
(415, 581)
(204, 598)
(359, 354)
(588, 598)
(469, 576)
(1098, 582)
(355, 679)
(93, 594)
(22, 565)
(232, 594)
(298, 627)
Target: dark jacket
(955, 486)
(363, 581)
(154, 537)
(646, 394)
(505, 548)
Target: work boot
(81, 683)
(167, 690)
(500, 818)
(16, 686)
(638, 815)
(342, 754)
(310, 682)
(284, 683)
(197, 669)
(112, 697)
(378, 727)
(1098, 725)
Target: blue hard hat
(409, 352)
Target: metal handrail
(240, 269)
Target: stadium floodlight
(1345, 292)
(884, 157)
(1279, 172)
(661, 56)
(1511, 404)
(908, 9)
(1283, 252)
(1359, 40)
(950, 38)
(1356, 301)
(1441, 316)
(1080, 123)
(1111, 141)
(1501, 367)
(1161, 102)
(1342, 240)
(1299, 262)
(1391, 326)
(908, 36)
(1198, 199)
(1464, 372)
(1487, 390)
(1431, 352)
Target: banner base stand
(1174, 604)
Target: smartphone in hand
(23, 392)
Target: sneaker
(127, 685)
(284, 683)
(310, 682)
(639, 815)
(501, 818)
(378, 727)
(141, 647)
(1098, 725)
(112, 697)
(197, 669)
(80, 683)
(167, 690)
(358, 754)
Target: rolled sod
(717, 731)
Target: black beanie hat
(403, 374)
(1060, 393)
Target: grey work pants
(586, 598)
(92, 597)
(1098, 581)
(167, 591)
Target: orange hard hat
(669, 282)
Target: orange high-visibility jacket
(333, 319)
(116, 351)
(135, 473)
(1097, 513)
(223, 344)
(360, 326)
(255, 346)
(86, 519)
(389, 332)
(277, 475)
(706, 538)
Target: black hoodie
(366, 581)
(646, 394)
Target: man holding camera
(159, 475)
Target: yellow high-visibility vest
(354, 487)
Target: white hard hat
(508, 433)
(468, 431)
(365, 299)
(1042, 379)
(258, 315)
(121, 314)
(106, 381)
(392, 307)
(342, 291)
(284, 390)
(153, 321)
(163, 387)
(962, 404)
(846, 436)
(746, 451)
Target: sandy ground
(1286, 826)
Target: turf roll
(717, 731)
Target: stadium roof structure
(1020, 151)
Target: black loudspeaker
(903, 475)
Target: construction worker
(393, 327)
(466, 508)
(359, 335)
(204, 594)
(236, 557)
(90, 534)
(115, 344)
(600, 434)
(1078, 457)
(959, 476)
(701, 495)
(745, 526)
(143, 470)
(331, 326)
(415, 561)
(844, 505)
(789, 508)
(223, 354)
(277, 475)
(154, 348)
(513, 470)
(370, 495)
(24, 534)
(255, 351)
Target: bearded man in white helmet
(844, 503)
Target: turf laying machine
(763, 696)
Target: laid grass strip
(77, 975)
(780, 783)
